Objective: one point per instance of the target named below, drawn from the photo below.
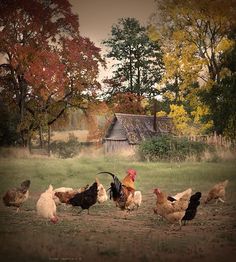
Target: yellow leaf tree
(194, 35)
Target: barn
(126, 131)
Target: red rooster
(123, 192)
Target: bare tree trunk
(130, 70)
(49, 139)
(139, 81)
(21, 102)
(41, 137)
(155, 115)
(29, 143)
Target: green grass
(77, 172)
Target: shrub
(66, 149)
(171, 149)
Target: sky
(96, 18)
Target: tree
(137, 59)
(221, 98)
(195, 36)
(181, 119)
(121, 103)
(48, 66)
(8, 126)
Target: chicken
(171, 211)
(46, 206)
(217, 192)
(62, 195)
(134, 201)
(123, 193)
(60, 189)
(85, 199)
(179, 195)
(128, 181)
(17, 196)
(102, 194)
(191, 211)
(63, 189)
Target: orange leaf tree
(48, 66)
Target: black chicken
(191, 211)
(85, 199)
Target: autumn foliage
(127, 103)
(198, 41)
(49, 67)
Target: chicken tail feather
(116, 187)
(105, 172)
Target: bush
(171, 148)
(66, 149)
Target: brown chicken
(17, 196)
(217, 192)
(171, 211)
(64, 197)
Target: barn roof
(139, 127)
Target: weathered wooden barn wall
(114, 146)
(117, 132)
(117, 140)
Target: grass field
(107, 234)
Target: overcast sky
(96, 17)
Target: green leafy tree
(137, 60)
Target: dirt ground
(108, 234)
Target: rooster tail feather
(117, 182)
(105, 172)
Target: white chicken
(46, 206)
(102, 194)
(134, 201)
(63, 189)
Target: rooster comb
(131, 172)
